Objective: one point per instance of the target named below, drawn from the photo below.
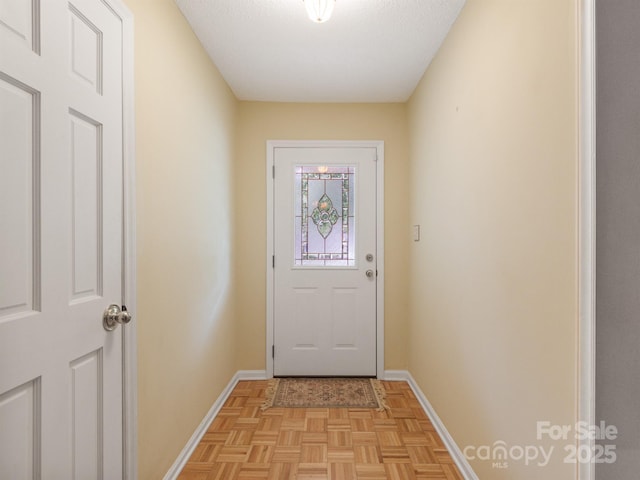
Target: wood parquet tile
(245, 443)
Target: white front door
(61, 237)
(325, 261)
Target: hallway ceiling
(369, 51)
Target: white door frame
(587, 226)
(129, 337)
(379, 146)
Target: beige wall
(259, 122)
(185, 122)
(493, 315)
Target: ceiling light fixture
(319, 11)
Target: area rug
(325, 393)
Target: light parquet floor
(245, 443)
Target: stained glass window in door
(324, 216)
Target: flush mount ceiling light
(319, 11)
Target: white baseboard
(396, 375)
(251, 375)
(191, 445)
(457, 455)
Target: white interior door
(325, 261)
(61, 236)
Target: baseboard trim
(251, 375)
(457, 455)
(191, 445)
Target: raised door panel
(19, 22)
(307, 319)
(86, 161)
(20, 432)
(344, 319)
(19, 198)
(86, 49)
(87, 416)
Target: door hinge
(273, 261)
(273, 351)
(273, 171)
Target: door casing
(586, 214)
(129, 338)
(379, 146)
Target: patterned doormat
(325, 393)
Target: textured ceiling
(369, 51)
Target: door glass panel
(324, 216)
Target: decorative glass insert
(324, 216)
